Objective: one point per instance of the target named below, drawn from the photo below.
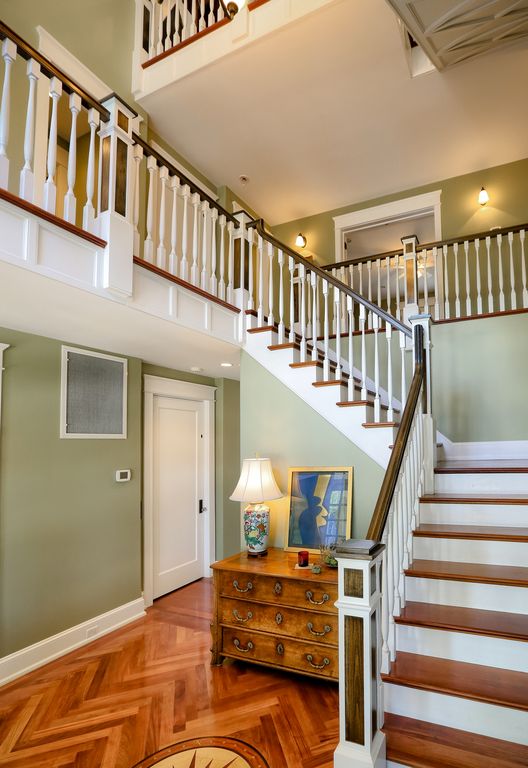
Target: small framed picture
(320, 507)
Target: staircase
(457, 693)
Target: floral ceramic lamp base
(256, 529)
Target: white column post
(116, 201)
(361, 742)
(50, 190)
(26, 174)
(88, 210)
(70, 203)
(9, 52)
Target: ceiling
(46, 307)
(324, 113)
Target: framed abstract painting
(320, 507)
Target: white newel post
(3, 348)
(429, 425)
(115, 197)
(361, 742)
(410, 271)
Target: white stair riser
(392, 764)
(454, 712)
(285, 356)
(489, 482)
(460, 646)
(470, 551)
(467, 594)
(475, 514)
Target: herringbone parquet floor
(150, 684)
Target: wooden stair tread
(503, 687)
(488, 532)
(331, 383)
(354, 403)
(286, 345)
(482, 466)
(513, 626)
(263, 329)
(510, 575)
(420, 744)
(475, 498)
(376, 424)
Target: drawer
(300, 593)
(279, 620)
(308, 658)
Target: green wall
(70, 535)
(480, 376)
(227, 466)
(278, 424)
(507, 186)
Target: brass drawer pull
(240, 618)
(280, 649)
(326, 630)
(278, 618)
(309, 597)
(277, 588)
(310, 661)
(247, 649)
(243, 589)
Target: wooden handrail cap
(360, 549)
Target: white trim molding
(3, 348)
(398, 210)
(33, 656)
(500, 449)
(158, 386)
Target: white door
(178, 493)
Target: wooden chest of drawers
(268, 612)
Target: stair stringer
(373, 442)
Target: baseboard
(27, 659)
(500, 449)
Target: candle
(303, 558)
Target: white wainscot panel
(14, 240)
(69, 258)
(223, 322)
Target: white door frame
(407, 207)
(153, 386)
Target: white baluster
(302, 278)
(195, 202)
(250, 304)
(477, 264)
(9, 53)
(490, 276)
(184, 264)
(221, 281)
(326, 333)
(201, 24)
(398, 300)
(315, 320)
(88, 210)
(337, 303)
(178, 15)
(369, 273)
(436, 291)
(50, 190)
(291, 268)
(26, 174)
(426, 287)
(396, 528)
(213, 279)
(385, 654)
(523, 264)
(391, 635)
(403, 340)
(378, 270)
(260, 263)
(388, 336)
(230, 262)
(174, 186)
(513, 295)
(205, 216)
(271, 317)
(342, 303)
(159, 45)
(388, 288)
(211, 18)
(148, 249)
(377, 402)
(362, 324)
(446, 285)
(502, 303)
(194, 9)
(161, 255)
(350, 310)
(167, 42)
(457, 282)
(280, 258)
(468, 292)
(309, 332)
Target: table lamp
(256, 485)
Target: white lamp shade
(256, 483)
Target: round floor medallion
(211, 752)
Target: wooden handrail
(150, 151)
(258, 224)
(381, 510)
(50, 70)
(428, 246)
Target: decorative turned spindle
(9, 52)
(50, 190)
(70, 203)
(26, 174)
(89, 210)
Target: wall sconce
(234, 6)
(483, 197)
(300, 240)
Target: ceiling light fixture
(300, 240)
(226, 365)
(483, 197)
(234, 6)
